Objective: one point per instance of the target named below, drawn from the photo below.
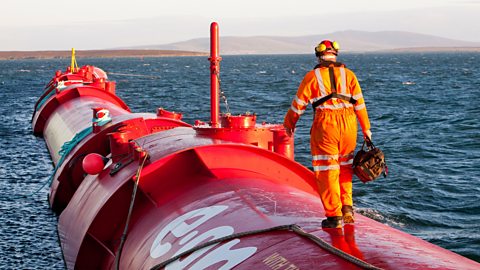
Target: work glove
(290, 131)
(367, 134)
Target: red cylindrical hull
(222, 190)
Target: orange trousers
(333, 138)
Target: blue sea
(424, 109)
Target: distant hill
(350, 41)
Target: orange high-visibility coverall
(333, 135)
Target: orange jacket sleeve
(360, 108)
(300, 101)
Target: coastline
(24, 55)
(20, 55)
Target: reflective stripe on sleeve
(300, 102)
(359, 107)
(358, 96)
(299, 112)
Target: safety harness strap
(334, 93)
(333, 82)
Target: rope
(67, 148)
(40, 104)
(292, 227)
(64, 151)
(130, 210)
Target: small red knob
(93, 163)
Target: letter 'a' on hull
(149, 191)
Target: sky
(103, 24)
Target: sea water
(424, 109)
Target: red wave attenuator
(149, 191)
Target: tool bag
(369, 163)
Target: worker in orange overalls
(336, 97)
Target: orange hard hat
(327, 46)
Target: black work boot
(347, 211)
(332, 222)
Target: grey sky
(90, 24)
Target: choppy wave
(428, 129)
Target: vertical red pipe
(214, 73)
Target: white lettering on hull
(189, 238)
